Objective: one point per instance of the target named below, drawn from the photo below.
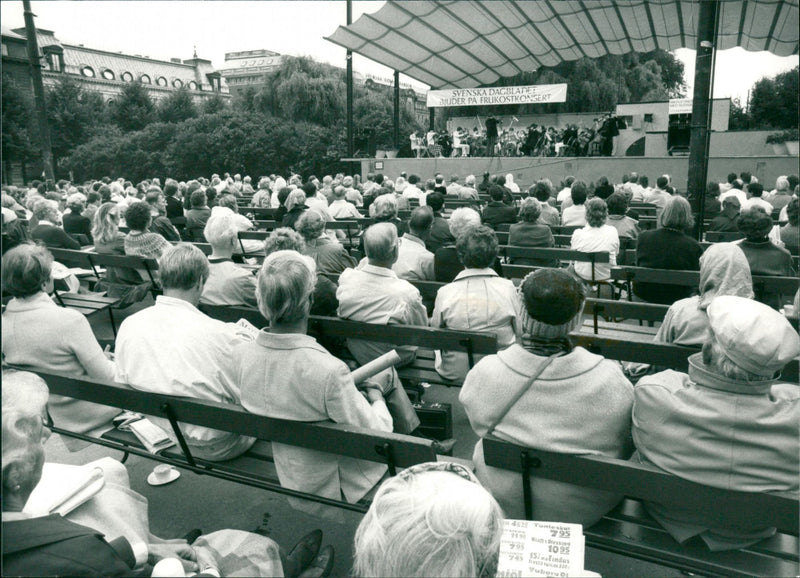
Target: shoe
(322, 566)
(444, 447)
(304, 552)
(193, 535)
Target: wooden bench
(723, 236)
(667, 355)
(650, 312)
(394, 450)
(427, 339)
(629, 531)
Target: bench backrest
(553, 253)
(644, 482)
(761, 283)
(343, 440)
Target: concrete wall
(527, 170)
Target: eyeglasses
(47, 420)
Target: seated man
(414, 261)
(728, 220)
(175, 349)
(439, 235)
(497, 212)
(729, 423)
(227, 284)
(373, 293)
(197, 216)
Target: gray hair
(76, 201)
(220, 230)
(715, 358)
(284, 239)
(45, 210)
(380, 242)
(677, 214)
(25, 270)
(384, 207)
(529, 210)
(310, 225)
(433, 523)
(462, 219)
(596, 212)
(182, 267)
(286, 282)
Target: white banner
(680, 106)
(532, 94)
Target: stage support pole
(350, 139)
(38, 91)
(396, 123)
(702, 101)
(431, 118)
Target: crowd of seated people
(302, 269)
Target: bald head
(380, 243)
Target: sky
(172, 29)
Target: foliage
(73, 115)
(17, 109)
(739, 118)
(783, 136)
(133, 109)
(773, 101)
(214, 104)
(177, 107)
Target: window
(192, 85)
(161, 81)
(108, 74)
(145, 79)
(127, 76)
(87, 71)
(177, 83)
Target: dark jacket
(531, 235)
(439, 235)
(666, 249)
(724, 224)
(496, 212)
(53, 546)
(766, 258)
(165, 228)
(77, 224)
(54, 237)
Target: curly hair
(25, 270)
(137, 217)
(284, 239)
(477, 247)
(596, 212)
(310, 225)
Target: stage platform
(527, 170)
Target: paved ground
(195, 501)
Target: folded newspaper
(153, 438)
(63, 490)
(529, 548)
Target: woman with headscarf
(295, 206)
(510, 184)
(724, 270)
(546, 394)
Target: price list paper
(530, 548)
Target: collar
(219, 259)
(700, 374)
(41, 299)
(319, 241)
(14, 516)
(175, 302)
(45, 222)
(413, 239)
(467, 273)
(375, 270)
(495, 204)
(287, 341)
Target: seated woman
(286, 374)
(668, 247)
(446, 265)
(548, 395)
(40, 335)
(573, 214)
(529, 232)
(140, 241)
(47, 229)
(76, 545)
(331, 257)
(477, 300)
(790, 232)
(295, 206)
(432, 519)
(595, 237)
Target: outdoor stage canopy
(465, 43)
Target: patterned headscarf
(724, 270)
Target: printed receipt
(530, 548)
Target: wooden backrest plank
(627, 309)
(340, 439)
(647, 483)
(553, 253)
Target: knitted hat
(553, 303)
(754, 336)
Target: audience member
(160, 223)
(496, 211)
(432, 519)
(173, 348)
(530, 232)
(439, 235)
(728, 220)
(595, 237)
(74, 222)
(140, 241)
(668, 247)
(660, 195)
(446, 264)
(755, 190)
(727, 424)
(574, 215)
(340, 208)
(790, 232)
(477, 300)
(227, 283)
(197, 216)
(546, 394)
(627, 227)
(414, 261)
(780, 196)
(40, 335)
(330, 257)
(468, 191)
(286, 374)
(47, 229)
(543, 191)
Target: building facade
(247, 68)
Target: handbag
(518, 394)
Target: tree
(17, 111)
(739, 118)
(177, 107)
(73, 113)
(133, 109)
(773, 101)
(214, 104)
